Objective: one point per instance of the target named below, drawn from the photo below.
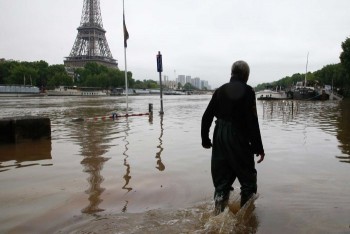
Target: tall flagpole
(126, 36)
(307, 63)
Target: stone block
(17, 129)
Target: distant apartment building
(188, 79)
(181, 79)
(205, 84)
(197, 83)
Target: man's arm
(207, 120)
(262, 156)
(253, 126)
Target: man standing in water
(236, 137)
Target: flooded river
(149, 174)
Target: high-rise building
(197, 83)
(204, 84)
(188, 79)
(181, 79)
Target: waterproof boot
(245, 198)
(221, 202)
(248, 189)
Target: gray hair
(240, 71)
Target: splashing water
(233, 219)
(198, 219)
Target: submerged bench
(17, 129)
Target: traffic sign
(159, 62)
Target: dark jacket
(235, 102)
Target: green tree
(116, 78)
(57, 76)
(21, 74)
(96, 75)
(189, 86)
(59, 79)
(5, 70)
(41, 68)
(131, 81)
(95, 68)
(345, 55)
(39, 73)
(145, 84)
(332, 74)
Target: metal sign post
(160, 69)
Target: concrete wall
(17, 129)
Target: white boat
(19, 91)
(174, 92)
(93, 93)
(270, 94)
(146, 91)
(75, 91)
(154, 91)
(141, 91)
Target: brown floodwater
(149, 174)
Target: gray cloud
(201, 38)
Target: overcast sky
(201, 38)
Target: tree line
(45, 76)
(337, 75)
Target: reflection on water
(283, 110)
(127, 175)
(330, 117)
(304, 112)
(160, 166)
(343, 126)
(92, 141)
(93, 138)
(21, 155)
(125, 208)
(344, 159)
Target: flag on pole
(126, 34)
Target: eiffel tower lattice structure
(90, 44)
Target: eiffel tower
(90, 44)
